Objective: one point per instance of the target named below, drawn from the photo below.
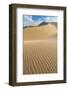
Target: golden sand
(40, 50)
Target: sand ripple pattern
(40, 56)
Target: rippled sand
(40, 50)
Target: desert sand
(40, 50)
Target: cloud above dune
(51, 19)
(33, 20)
(27, 20)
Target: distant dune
(39, 32)
(40, 49)
(43, 23)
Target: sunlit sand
(40, 50)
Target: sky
(31, 20)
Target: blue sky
(35, 19)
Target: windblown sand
(40, 50)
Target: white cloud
(50, 19)
(38, 21)
(28, 20)
(46, 19)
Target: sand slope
(40, 50)
(39, 32)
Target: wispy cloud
(27, 20)
(51, 19)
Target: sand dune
(39, 32)
(40, 50)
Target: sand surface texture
(40, 50)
